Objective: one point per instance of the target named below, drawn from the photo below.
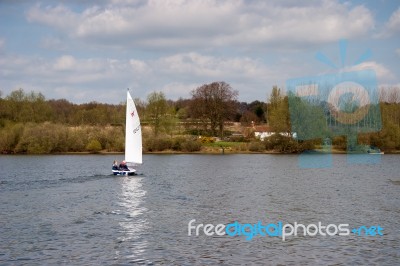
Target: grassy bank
(51, 138)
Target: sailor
(123, 166)
(115, 165)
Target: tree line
(351, 127)
(30, 123)
(216, 105)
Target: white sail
(133, 133)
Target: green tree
(15, 102)
(170, 121)
(157, 109)
(278, 111)
(27, 107)
(307, 119)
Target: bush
(308, 144)
(237, 138)
(197, 132)
(340, 142)
(10, 136)
(256, 146)
(39, 138)
(158, 144)
(177, 143)
(77, 140)
(241, 147)
(113, 139)
(272, 142)
(94, 146)
(284, 144)
(207, 140)
(191, 146)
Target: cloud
(394, 21)
(179, 89)
(95, 78)
(392, 26)
(383, 74)
(189, 24)
(211, 67)
(59, 17)
(398, 51)
(65, 62)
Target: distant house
(263, 132)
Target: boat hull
(126, 173)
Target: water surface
(68, 209)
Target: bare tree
(215, 103)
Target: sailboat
(133, 139)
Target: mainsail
(133, 133)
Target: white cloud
(394, 21)
(139, 67)
(59, 17)
(95, 78)
(383, 74)
(102, 79)
(212, 23)
(242, 73)
(179, 89)
(65, 62)
(392, 26)
(99, 79)
(178, 45)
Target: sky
(86, 51)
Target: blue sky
(93, 50)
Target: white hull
(119, 172)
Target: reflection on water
(134, 225)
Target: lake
(68, 209)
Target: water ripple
(54, 211)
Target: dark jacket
(123, 167)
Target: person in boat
(123, 166)
(115, 165)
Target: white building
(262, 132)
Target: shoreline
(209, 151)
